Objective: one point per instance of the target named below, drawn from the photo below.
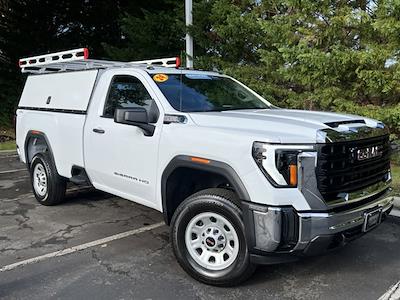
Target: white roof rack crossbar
(58, 57)
(77, 59)
(171, 62)
(76, 65)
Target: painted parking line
(80, 247)
(393, 293)
(13, 171)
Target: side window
(126, 92)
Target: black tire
(222, 202)
(56, 185)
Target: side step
(79, 176)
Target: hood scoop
(338, 123)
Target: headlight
(286, 164)
(279, 162)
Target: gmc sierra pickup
(240, 181)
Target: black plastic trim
(33, 134)
(273, 259)
(57, 110)
(337, 123)
(248, 220)
(217, 167)
(79, 176)
(338, 169)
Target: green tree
(325, 54)
(229, 36)
(150, 32)
(338, 55)
(41, 26)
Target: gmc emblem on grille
(367, 153)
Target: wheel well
(35, 144)
(185, 181)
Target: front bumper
(280, 234)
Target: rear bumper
(282, 234)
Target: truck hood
(281, 125)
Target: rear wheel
(48, 187)
(208, 238)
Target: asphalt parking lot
(115, 249)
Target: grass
(396, 170)
(8, 145)
(7, 131)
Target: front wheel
(208, 238)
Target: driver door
(120, 159)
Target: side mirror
(136, 116)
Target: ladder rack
(64, 56)
(77, 59)
(172, 62)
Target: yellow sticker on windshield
(160, 77)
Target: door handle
(98, 130)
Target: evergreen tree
(41, 26)
(150, 32)
(325, 54)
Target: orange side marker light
(293, 175)
(199, 160)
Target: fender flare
(37, 134)
(212, 166)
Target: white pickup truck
(240, 181)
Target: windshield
(200, 93)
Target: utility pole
(189, 38)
